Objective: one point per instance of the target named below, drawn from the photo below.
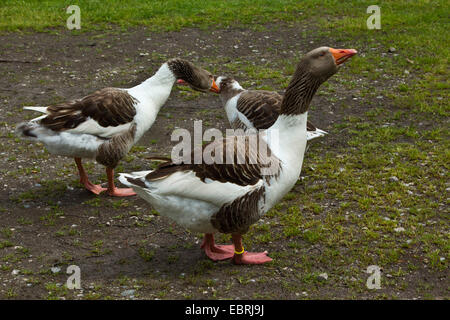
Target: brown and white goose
(107, 123)
(254, 109)
(231, 195)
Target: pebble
(323, 276)
(128, 293)
(55, 269)
(399, 229)
(15, 272)
(393, 179)
(392, 49)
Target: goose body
(191, 199)
(254, 109)
(231, 193)
(107, 123)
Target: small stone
(393, 179)
(15, 272)
(55, 269)
(392, 49)
(323, 276)
(399, 229)
(406, 72)
(128, 293)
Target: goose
(253, 109)
(243, 182)
(107, 123)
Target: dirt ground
(123, 248)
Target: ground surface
(373, 192)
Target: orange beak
(341, 55)
(214, 87)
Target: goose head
(227, 87)
(195, 77)
(323, 62)
(313, 69)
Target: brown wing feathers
(260, 107)
(109, 107)
(245, 168)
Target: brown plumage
(108, 106)
(113, 150)
(197, 78)
(245, 167)
(239, 215)
(260, 107)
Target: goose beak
(214, 87)
(182, 82)
(341, 55)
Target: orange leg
(216, 252)
(84, 180)
(244, 257)
(117, 192)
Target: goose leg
(84, 180)
(244, 257)
(117, 192)
(216, 252)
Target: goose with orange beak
(105, 124)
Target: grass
(157, 15)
